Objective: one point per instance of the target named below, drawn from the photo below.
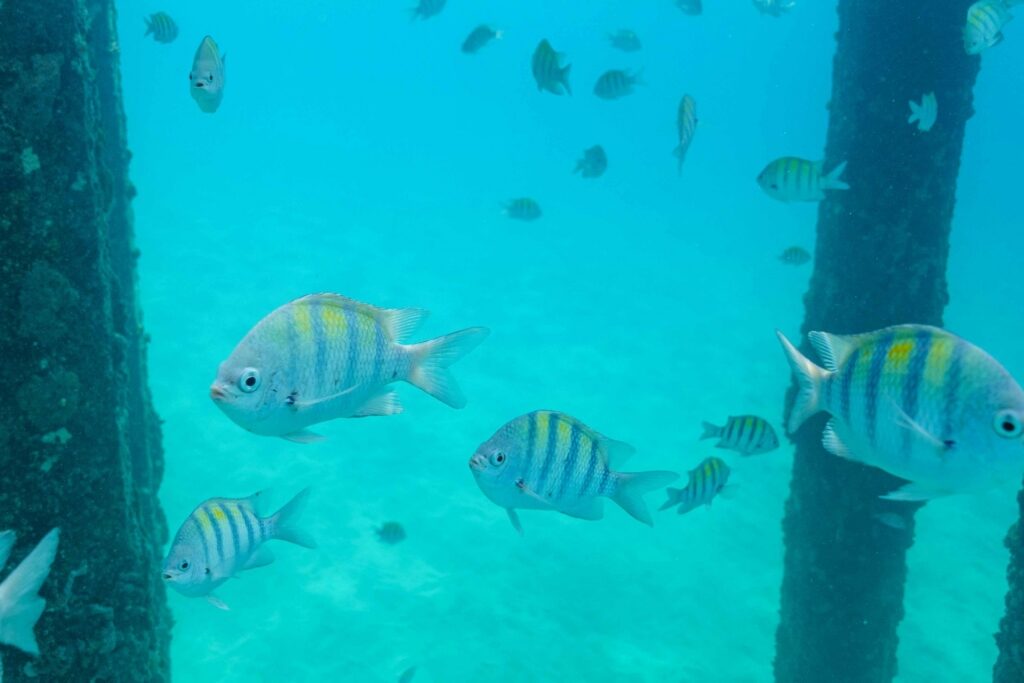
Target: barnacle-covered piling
(79, 441)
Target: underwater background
(361, 153)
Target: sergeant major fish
(791, 179)
(323, 357)
(427, 9)
(985, 22)
(616, 83)
(224, 537)
(547, 72)
(546, 460)
(795, 256)
(917, 402)
(479, 37)
(523, 209)
(20, 604)
(704, 482)
(206, 79)
(745, 434)
(686, 127)
(593, 164)
(162, 27)
(625, 40)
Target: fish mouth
(217, 394)
(168, 576)
(477, 463)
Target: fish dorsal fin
(833, 349)
(397, 322)
(256, 502)
(617, 451)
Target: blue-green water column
(79, 441)
(880, 260)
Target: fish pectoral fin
(217, 602)
(514, 518)
(383, 403)
(303, 436)
(527, 491)
(261, 558)
(914, 492)
(298, 405)
(903, 420)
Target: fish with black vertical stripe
(704, 482)
(224, 537)
(616, 83)
(917, 402)
(745, 434)
(326, 356)
(162, 27)
(792, 179)
(548, 71)
(546, 460)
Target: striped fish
(324, 356)
(208, 76)
(162, 27)
(546, 460)
(224, 537)
(985, 22)
(523, 209)
(686, 125)
(745, 434)
(917, 402)
(705, 481)
(616, 83)
(548, 73)
(20, 603)
(791, 179)
(795, 256)
(479, 37)
(427, 9)
(594, 162)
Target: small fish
(985, 22)
(224, 537)
(795, 256)
(924, 113)
(325, 356)
(479, 37)
(705, 481)
(20, 604)
(206, 80)
(523, 209)
(162, 27)
(427, 9)
(917, 402)
(691, 7)
(686, 126)
(593, 163)
(407, 675)
(616, 83)
(546, 460)
(774, 8)
(625, 40)
(791, 179)
(745, 434)
(391, 533)
(547, 72)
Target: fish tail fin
(20, 604)
(915, 112)
(149, 26)
(564, 78)
(631, 487)
(710, 431)
(832, 181)
(499, 33)
(809, 377)
(431, 359)
(284, 522)
(674, 496)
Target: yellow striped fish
(985, 22)
(324, 356)
(791, 179)
(162, 27)
(745, 434)
(548, 73)
(705, 481)
(224, 537)
(686, 125)
(546, 460)
(917, 402)
(208, 76)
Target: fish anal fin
(914, 492)
(514, 518)
(383, 403)
(303, 436)
(217, 602)
(261, 558)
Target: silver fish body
(745, 434)
(207, 77)
(984, 26)
(792, 179)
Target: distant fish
(916, 401)
(479, 37)
(745, 434)
(686, 127)
(162, 27)
(523, 209)
(925, 113)
(616, 83)
(775, 8)
(891, 520)
(593, 163)
(206, 80)
(691, 7)
(427, 9)
(547, 460)
(325, 356)
(20, 604)
(547, 72)
(391, 533)
(407, 675)
(985, 22)
(625, 40)
(704, 482)
(791, 179)
(224, 537)
(795, 256)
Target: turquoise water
(359, 153)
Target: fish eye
(497, 459)
(1008, 424)
(249, 381)
(183, 566)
